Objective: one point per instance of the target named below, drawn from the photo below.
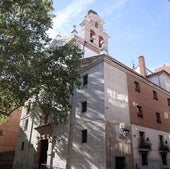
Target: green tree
(3, 120)
(28, 67)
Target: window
(164, 159)
(1, 132)
(22, 146)
(137, 86)
(155, 96)
(96, 25)
(141, 136)
(101, 41)
(139, 111)
(92, 36)
(144, 159)
(158, 117)
(168, 99)
(161, 139)
(84, 136)
(84, 106)
(85, 79)
(26, 124)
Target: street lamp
(124, 132)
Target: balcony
(144, 146)
(164, 148)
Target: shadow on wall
(90, 154)
(82, 154)
(24, 150)
(50, 141)
(29, 148)
(36, 141)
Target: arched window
(26, 124)
(101, 41)
(96, 25)
(92, 36)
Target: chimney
(142, 66)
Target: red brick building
(8, 139)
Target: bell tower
(93, 33)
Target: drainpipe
(70, 131)
(29, 143)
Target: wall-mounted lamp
(124, 131)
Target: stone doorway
(43, 153)
(120, 162)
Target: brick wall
(149, 105)
(10, 132)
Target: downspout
(70, 131)
(29, 142)
(31, 130)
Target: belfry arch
(93, 32)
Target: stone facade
(110, 120)
(114, 109)
(119, 150)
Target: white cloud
(111, 5)
(67, 15)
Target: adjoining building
(120, 117)
(8, 139)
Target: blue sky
(135, 27)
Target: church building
(120, 116)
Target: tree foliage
(28, 68)
(3, 120)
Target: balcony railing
(145, 145)
(164, 147)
